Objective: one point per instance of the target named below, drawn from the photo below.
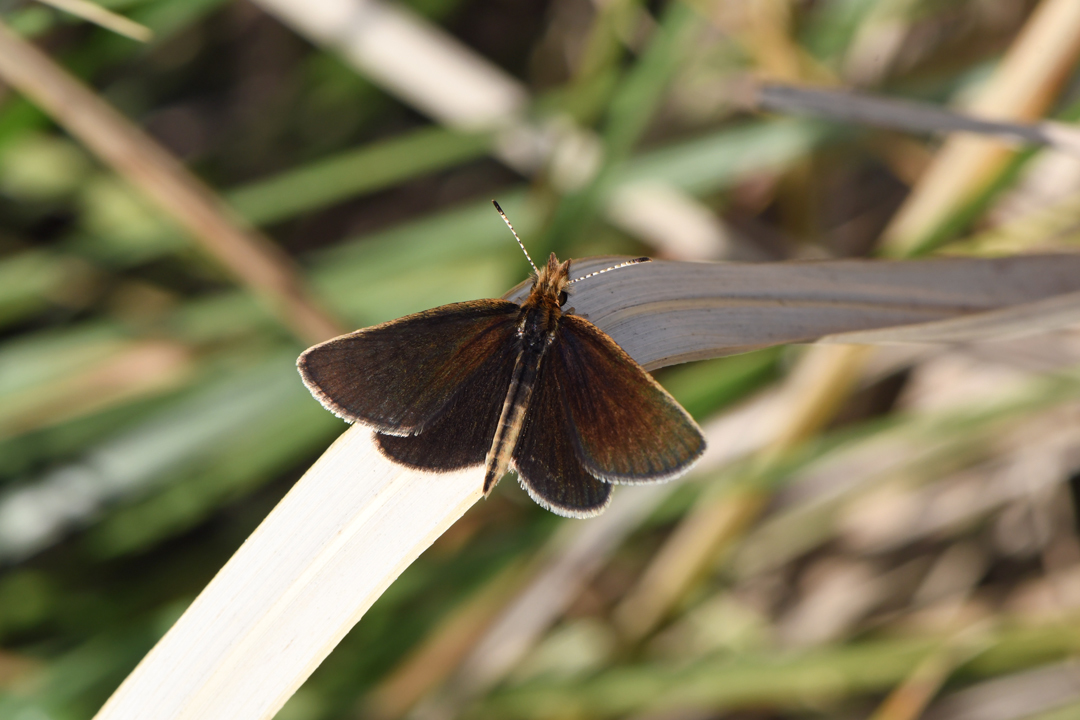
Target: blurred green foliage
(115, 511)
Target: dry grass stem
(909, 700)
(442, 651)
(92, 12)
(908, 116)
(1021, 89)
(810, 396)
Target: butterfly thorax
(537, 327)
(540, 313)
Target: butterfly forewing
(626, 428)
(460, 434)
(546, 458)
(398, 376)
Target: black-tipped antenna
(520, 244)
(635, 261)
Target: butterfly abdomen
(537, 331)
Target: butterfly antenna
(520, 244)
(635, 261)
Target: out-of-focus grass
(114, 513)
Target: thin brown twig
(249, 256)
(1024, 85)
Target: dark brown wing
(397, 376)
(461, 433)
(627, 429)
(546, 459)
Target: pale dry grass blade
(1041, 316)
(248, 255)
(664, 313)
(91, 12)
(908, 116)
(305, 576)
(411, 58)
(1022, 88)
(424, 66)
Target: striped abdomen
(536, 334)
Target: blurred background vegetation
(912, 544)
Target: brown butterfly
(530, 387)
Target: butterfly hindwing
(546, 459)
(398, 376)
(461, 433)
(625, 426)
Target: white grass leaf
(664, 313)
(306, 575)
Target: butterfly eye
(562, 298)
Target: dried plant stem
(906, 115)
(813, 392)
(816, 388)
(909, 699)
(92, 12)
(705, 532)
(441, 652)
(249, 256)
(1022, 88)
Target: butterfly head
(550, 287)
(553, 277)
